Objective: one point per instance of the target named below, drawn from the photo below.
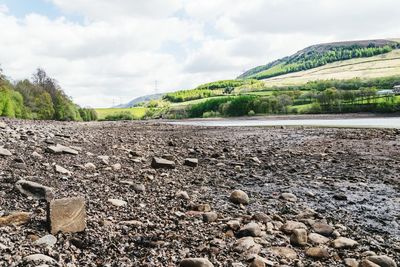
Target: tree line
(40, 98)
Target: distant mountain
(320, 55)
(139, 100)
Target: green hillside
(320, 55)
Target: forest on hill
(40, 98)
(320, 55)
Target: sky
(105, 53)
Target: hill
(320, 55)
(140, 99)
(384, 65)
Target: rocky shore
(151, 194)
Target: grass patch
(136, 113)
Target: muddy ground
(346, 178)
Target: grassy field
(193, 102)
(138, 112)
(372, 67)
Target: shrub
(121, 116)
(251, 113)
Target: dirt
(347, 178)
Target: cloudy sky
(104, 52)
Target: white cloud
(122, 46)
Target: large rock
(196, 262)
(239, 197)
(16, 218)
(35, 190)
(60, 149)
(4, 152)
(343, 242)
(159, 163)
(67, 215)
(383, 261)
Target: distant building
(396, 90)
(385, 92)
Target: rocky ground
(256, 197)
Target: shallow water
(350, 123)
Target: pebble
(16, 218)
(159, 163)
(4, 152)
(47, 240)
(62, 170)
(350, 262)
(210, 217)
(182, 194)
(191, 162)
(289, 197)
(284, 252)
(117, 202)
(322, 228)
(40, 258)
(317, 238)
(383, 261)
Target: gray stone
(210, 216)
(117, 202)
(160, 163)
(67, 215)
(289, 197)
(62, 170)
(47, 240)
(317, 238)
(35, 190)
(60, 149)
(322, 228)
(289, 226)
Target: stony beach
(153, 194)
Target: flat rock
(343, 242)
(239, 197)
(40, 258)
(117, 202)
(317, 252)
(4, 152)
(196, 262)
(67, 215)
(35, 190)
(60, 149)
(15, 218)
(382, 261)
(62, 170)
(289, 226)
(284, 252)
(191, 162)
(160, 163)
(317, 238)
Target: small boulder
(289, 226)
(239, 197)
(35, 190)
(317, 238)
(289, 197)
(322, 228)
(210, 217)
(250, 229)
(67, 215)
